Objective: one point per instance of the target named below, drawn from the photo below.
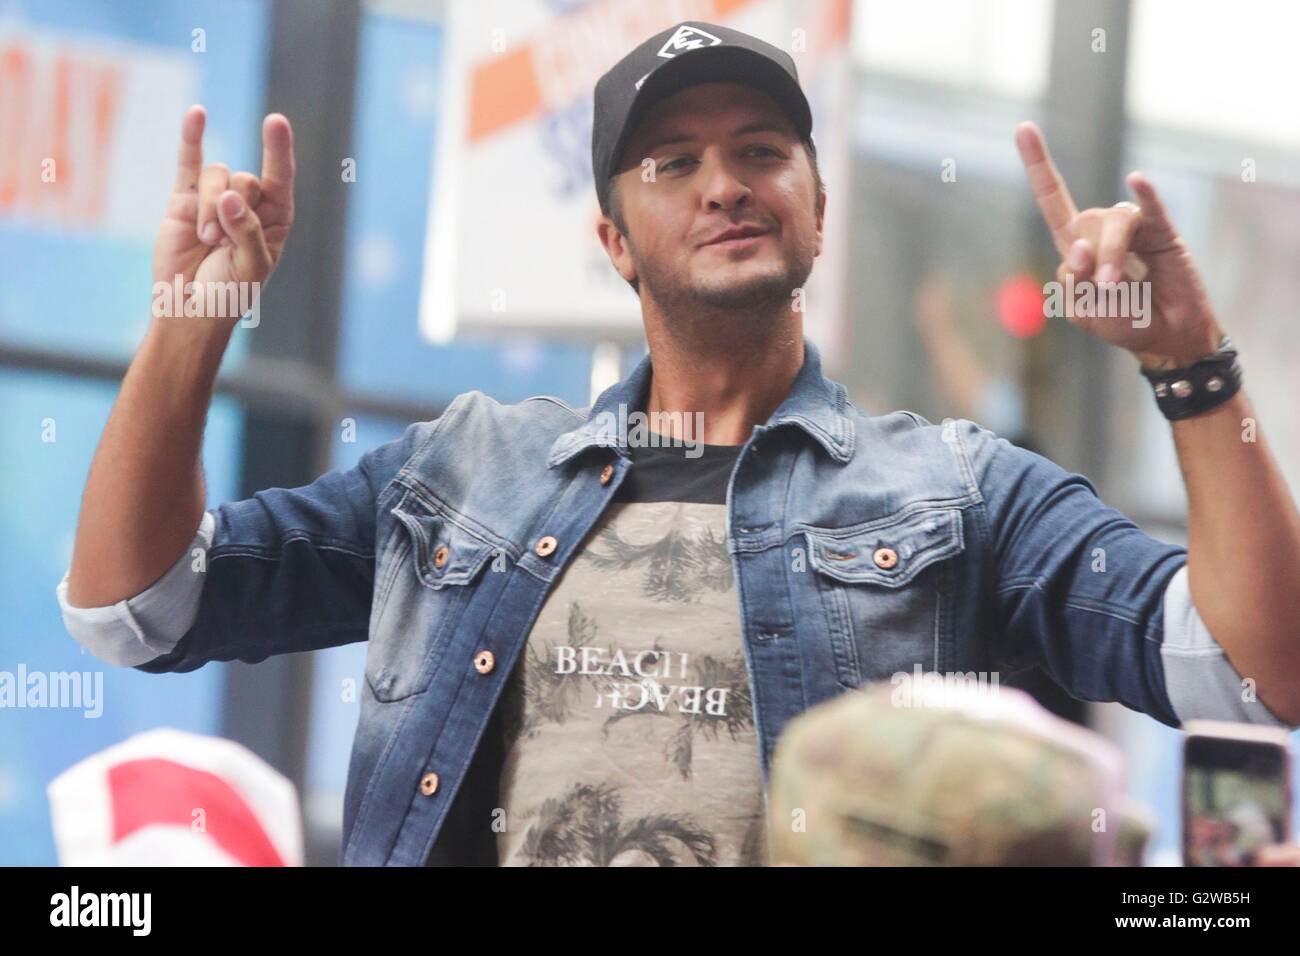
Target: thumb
(252, 258)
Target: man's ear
(616, 247)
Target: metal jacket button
(440, 556)
(428, 784)
(484, 661)
(545, 546)
(606, 473)
(885, 558)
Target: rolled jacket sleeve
(151, 623)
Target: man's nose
(723, 189)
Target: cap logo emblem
(684, 38)
(687, 38)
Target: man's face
(730, 216)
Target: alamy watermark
(130, 910)
(72, 690)
(656, 429)
(213, 300)
(1089, 300)
(922, 688)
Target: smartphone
(1236, 791)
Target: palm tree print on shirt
(586, 827)
(679, 566)
(546, 694)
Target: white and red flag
(170, 798)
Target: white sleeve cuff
(1200, 680)
(150, 624)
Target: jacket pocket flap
(445, 553)
(890, 551)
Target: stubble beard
(766, 294)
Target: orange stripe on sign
(106, 101)
(841, 20)
(725, 8)
(15, 102)
(502, 91)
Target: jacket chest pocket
(885, 589)
(428, 576)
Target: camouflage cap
(925, 772)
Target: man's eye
(676, 163)
(762, 151)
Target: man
(584, 644)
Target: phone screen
(1235, 799)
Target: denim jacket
(862, 546)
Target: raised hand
(223, 227)
(1127, 243)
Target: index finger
(189, 162)
(277, 159)
(1049, 188)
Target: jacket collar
(814, 404)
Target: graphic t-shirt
(628, 727)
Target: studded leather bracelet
(1199, 387)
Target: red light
(1020, 306)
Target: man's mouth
(736, 237)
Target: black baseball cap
(683, 55)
